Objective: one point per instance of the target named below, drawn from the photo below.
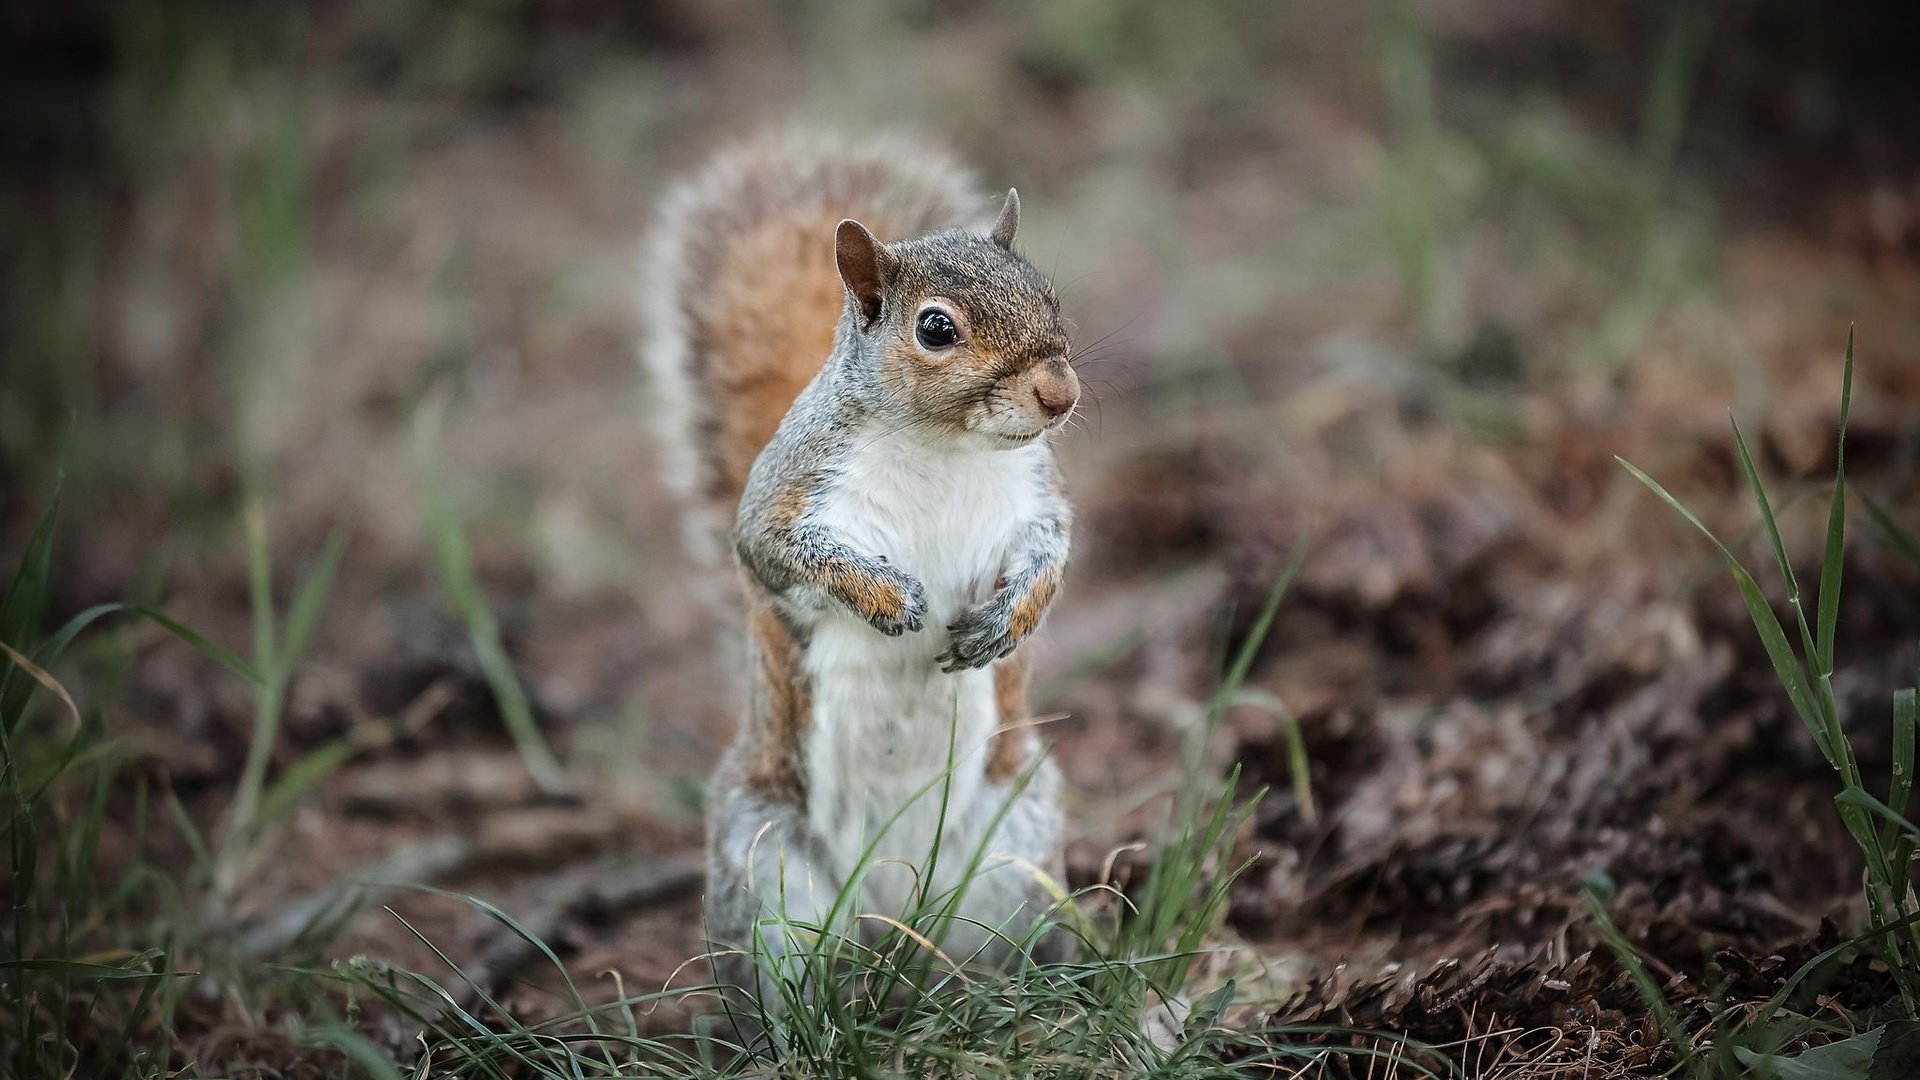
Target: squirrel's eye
(935, 329)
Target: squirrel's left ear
(864, 265)
(1004, 228)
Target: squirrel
(878, 411)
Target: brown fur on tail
(742, 296)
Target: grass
(893, 1001)
(276, 656)
(857, 995)
(64, 986)
(1531, 186)
(1885, 836)
(455, 562)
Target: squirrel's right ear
(864, 263)
(1009, 221)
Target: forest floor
(1517, 677)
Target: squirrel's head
(958, 332)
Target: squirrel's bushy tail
(741, 296)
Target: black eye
(935, 329)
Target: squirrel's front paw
(981, 635)
(892, 602)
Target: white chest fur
(887, 722)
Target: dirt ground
(1514, 671)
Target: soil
(1516, 674)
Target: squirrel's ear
(1009, 221)
(864, 262)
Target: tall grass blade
(302, 775)
(357, 1048)
(260, 585)
(1906, 715)
(196, 843)
(1907, 543)
(455, 562)
(1832, 559)
(1773, 637)
(1643, 980)
(207, 648)
(1676, 506)
(39, 675)
(1861, 799)
(23, 846)
(1299, 767)
(278, 659)
(57, 644)
(452, 1004)
(26, 594)
(1886, 850)
(134, 1018)
(311, 600)
(77, 969)
(22, 607)
(494, 912)
(1786, 665)
(1257, 634)
(1760, 500)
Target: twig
(431, 859)
(599, 898)
(528, 838)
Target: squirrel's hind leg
(1015, 889)
(767, 893)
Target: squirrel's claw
(980, 636)
(912, 614)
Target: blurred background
(291, 287)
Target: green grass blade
(260, 585)
(447, 1000)
(135, 1017)
(1257, 635)
(357, 1048)
(278, 658)
(1834, 555)
(26, 593)
(207, 648)
(1299, 767)
(1860, 798)
(77, 969)
(1907, 543)
(1643, 980)
(1676, 505)
(202, 855)
(21, 609)
(311, 600)
(23, 842)
(1906, 715)
(57, 643)
(302, 775)
(1764, 1014)
(455, 562)
(1759, 493)
(1786, 665)
(494, 912)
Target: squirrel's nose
(1053, 406)
(1057, 391)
